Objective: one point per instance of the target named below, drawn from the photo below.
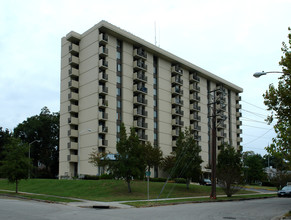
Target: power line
(253, 105)
(255, 113)
(258, 137)
(256, 127)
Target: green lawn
(106, 190)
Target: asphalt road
(250, 209)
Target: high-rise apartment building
(109, 76)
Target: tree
(5, 137)
(153, 155)
(188, 160)
(45, 128)
(16, 163)
(253, 167)
(129, 161)
(278, 100)
(185, 161)
(229, 169)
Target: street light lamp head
(258, 74)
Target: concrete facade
(109, 76)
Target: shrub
(180, 180)
(158, 179)
(91, 177)
(105, 177)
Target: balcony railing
(74, 49)
(140, 124)
(73, 96)
(177, 101)
(103, 77)
(140, 76)
(103, 51)
(195, 97)
(73, 120)
(194, 88)
(72, 145)
(73, 72)
(140, 100)
(103, 64)
(73, 133)
(103, 38)
(139, 64)
(73, 84)
(103, 129)
(177, 111)
(194, 78)
(103, 103)
(103, 116)
(72, 158)
(140, 53)
(177, 80)
(74, 61)
(73, 108)
(103, 90)
(177, 70)
(140, 112)
(140, 89)
(103, 142)
(176, 90)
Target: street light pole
(29, 145)
(258, 74)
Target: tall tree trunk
(187, 182)
(16, 190)
(128, 185)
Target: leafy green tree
(253, 167)
(129, 161)
(168, 163)
(5, 137)
(229, 169)
(278, 101)
(188, 160)
(45, 128)
(16, 163)
(153, 156)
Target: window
(118, 91)
(118, 104)
(118, 79)
(118, 128)
(118, 55)
(119, 67)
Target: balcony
(177, 70)
(220, 125)
(103, 38)
(73, 108)
(103, 51)
(195, 127)
(103, 77)
(74, 61)
(103, 143)
(103, 116)
(177, 91)
(238, 106)
(238, 123)
(194, 87)
(72, 133)
(72, 145)
(142, 137)
(194, 107)
(177, 80)
(177, 122)
(140, 89)
(220, 134)
(103, 90)
(195, 117)
(103, 129)
(73, 96)
(103, 64)
(140, 124)
(194, 97)
(176, 101)
(103, 103)
(174, 143)
(238, 114)
(219, 143)
(140, 112)
(238, 98)
(194, 78)
(239, 131)
(175, 132)
(139, 100)
(74, 49)
(140, 65)
(72, 158)
(73, 84)
(239, 139)
(197, 137)
(140, 54)
(73, 120)
(140, 76)
(73, 72)
(177, 111)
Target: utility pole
(217, 96)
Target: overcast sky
(232, 39)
